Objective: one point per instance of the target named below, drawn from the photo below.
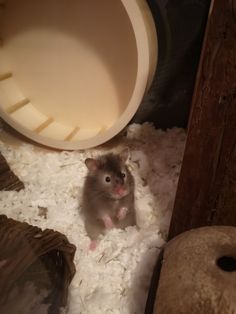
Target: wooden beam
(206, 191)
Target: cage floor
(115, 277)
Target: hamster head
(110, 176)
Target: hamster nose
(119, 181)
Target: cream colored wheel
(72, 74)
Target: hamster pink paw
(93, 245)
(108, 222)
(122, 213)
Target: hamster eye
(123, 174)
(108, 179)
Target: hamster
(108, 194)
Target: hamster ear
(125, 154)
(91, 164)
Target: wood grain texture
(207, 184)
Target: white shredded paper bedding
(113, 279)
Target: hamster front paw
(108, 222)
(122, 212)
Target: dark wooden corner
(206, 193)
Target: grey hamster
(108, 194)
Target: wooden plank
(207, 184)
(225, 212)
